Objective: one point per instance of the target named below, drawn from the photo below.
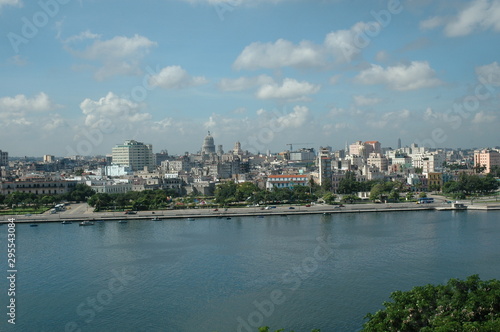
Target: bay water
(293, 272)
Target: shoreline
(78, 216)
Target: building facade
(133, 154)
(4, 158)
(486, 158)
(38, 187)
(286, 181)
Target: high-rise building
(134, 154)
(399, 143)
(48, 158)
(372, 147)
(208, 145)
(4, 158)
(486, 158)
(324, 165)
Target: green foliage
(495, 171)
(329, 198)
(348, 185)
(135, 200)
(81, 193)
(350, 199)
(471, 184)
(230, 192)
(470, 305)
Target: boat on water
(454, 207)
(86, 223)
(66, 222)
(122, 221)
(228, 218)
(190, 219)
(34, 225)
(156, 219)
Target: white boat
(86, 223)
(156, 219)
(122, 221)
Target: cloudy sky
(79, 76)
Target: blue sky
(79, 76)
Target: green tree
(394, 196)
(81, 193)
(495, 171)
(460, 305)
(377, 191)
(350, 199)
(329, 198)
(226, 192)
(348, 185)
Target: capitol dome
(208, 144)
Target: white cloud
(54, 122)
(15, 3)
(112, 108)
(281, 53)
(289, 90)
(391, 119)
(22, 104)
(295, 119)
(119, 56)
(174, 77)
(342, 45)
(346, 44)
(24, 111)
(244, 83)
(489, 73)
(432, 23)
(479, 14)
(365, 101)
(483, 117)
(416, 75)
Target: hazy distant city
(134, 166)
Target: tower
(399, 143)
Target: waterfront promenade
(81, 211)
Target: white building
(133, 154)
(286, 181)
(117, 170)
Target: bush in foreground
(470, 305)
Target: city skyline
(78, 79)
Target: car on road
(291, 208)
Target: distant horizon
(316, 148)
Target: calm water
(215, 275)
